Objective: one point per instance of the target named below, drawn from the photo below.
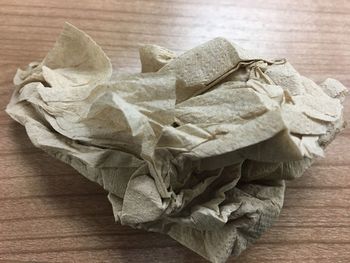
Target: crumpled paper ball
(197, 146)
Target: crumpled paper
(197, 146)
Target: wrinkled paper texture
(197, 146)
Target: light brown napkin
(197, 148)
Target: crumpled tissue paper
(197, 146)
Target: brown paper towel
(197, 148)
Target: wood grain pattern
(50, 213)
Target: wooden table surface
(50, 213)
